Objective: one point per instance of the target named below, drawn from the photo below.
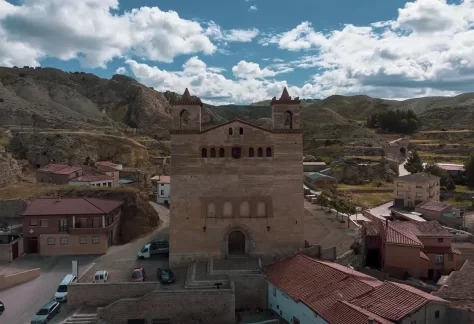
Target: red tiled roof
(458, 287)
(371, 229)
(424, 256)
(164, 179)
(343, 312)
(394, 301)
(440, 250)
(90, 178)
(106, 163)
(70, 206)
(451, 167)
(433, 205)
(318, 284)
(401, 236)
(105, 168)
(422, 229)
(60, 168)
(315, 163)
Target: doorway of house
(32, 245)
(236, 243)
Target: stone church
(237, 187)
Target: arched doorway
(236, 243)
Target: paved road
(401, 169)
(24, 300)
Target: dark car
(165, 276)
(46, 313)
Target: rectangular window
(400, 193)
(104, 184)
(64, 240)
(274, 291)
(95, 239)
(440, 240)
(419, 194)
(44, 223)
(437, 314)
(450, 257)
(439, 258)
(399, 184)
(419, 186)
(373, 239)
(83, 240)
(33, 222)
(51, 241)
(162, 192)
(63, 225)
(110, 184)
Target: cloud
(428, 49)
(92, 32)
(215, 32)
(253, 8)
(214, 87)
(121, 70)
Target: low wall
(177, 306)
(102, 294)
(5, 252)
(7, 281)
(251, 292)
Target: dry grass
(447, 131)
(371, 200)
(368, 186)
(364, 157)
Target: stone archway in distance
(236, 243)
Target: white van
(154, 247)
(101, 276)
(61, 293)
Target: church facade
(236, 187)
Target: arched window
(251, 152)
(211, 210)
(288, 120)
(221, 152)
(204, 153)
(261, 209)
(236, 152)
(244, 209)
(260, 152)
(231, 131)
(269, 152)
(241, 131)
(227, 209)
(213, 152)
(183, 119)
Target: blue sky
(239, 51)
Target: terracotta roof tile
(440, 249)
(70, 206)
(401, 236)
(164, 179)
(451, 167)
(458, 287)
(106, 163)
(106, 168)
(434, 205)
(60, 168)
(315, 163)
(420, 176)
(343, 312)
(424, 256)
(90, 178)
(422, 229)
(394, 301)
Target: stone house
(413, 189)
(66, 226)
(305, 290)
(163, 188)
(236, 186)
(320, 180)
(420, 250)
(58, 173)
(111, 172)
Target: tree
(414, 163)
(450, 184)
(446, 180)
(322, 200)
(469, 167)
(309, 158)
(336, 205)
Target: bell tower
(186, 113)
(286, 112)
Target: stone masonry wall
(103, 294)
(197, 181)
(251, 292)
(178, 306)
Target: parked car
(61, 293)
(101, 276)
(154, 247)
(138, 275)
(46, 313)
(165, 276)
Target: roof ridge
(238, 120)
(86, 199)
(408, 237)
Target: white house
(163, 187)
(101, 180)
(304, 290)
